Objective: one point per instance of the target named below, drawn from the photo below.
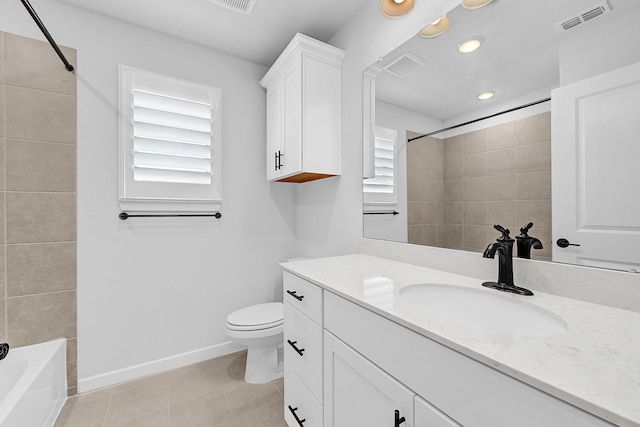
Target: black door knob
(563, 243)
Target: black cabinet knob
(564, 243)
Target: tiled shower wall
(38, 196)
(498, 175)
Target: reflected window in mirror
(381, 188)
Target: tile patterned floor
(208, 394)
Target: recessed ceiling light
(475, 4)
(486, 95)
(470, 45)
(436, 28)
(396, 8)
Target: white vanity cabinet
(303, 352)
(303, 112)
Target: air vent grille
(599, 9)
(404, 65)
(241, 6)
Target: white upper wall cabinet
(303, 112)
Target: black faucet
(526, 242)
(504, 247)
(4, 350)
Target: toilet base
(264, 364)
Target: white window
(381, 189)
(170, 156)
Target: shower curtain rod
(53, 43)
(481, 118)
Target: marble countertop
(594, 364)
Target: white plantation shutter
(381, 188)
(169, 140)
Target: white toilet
(259, 327)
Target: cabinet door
(428, 415)
(274, 131)
(291, 160)
(358, 393)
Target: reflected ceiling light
(486, 95)
(475, 4)
(436, 28)
(470, 45)
(396, 8)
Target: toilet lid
(260, 316)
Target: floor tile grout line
(106, 414)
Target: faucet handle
(505, 232)
(525, 230)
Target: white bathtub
(33, 385)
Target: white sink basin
(489, 311)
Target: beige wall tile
(2, 270)
(452, 147)
(38, 115)
(439, 213)
(41, 217)
(137, 398)
(453, 236)
(33, 63)
(208, 410)
(432, 169)
(501, 213)
(414, 214)
(475, 213)
(440, 235)
(40, 166)
(501, 136)
(501, 187)
(2, 156)
(534, 157)
(475, 237)
(3, 216)
(538, 212)
(501, 162)
(38, 318)
(453, 213)
(2, 57)
(415, 234)
(533, 129)
(474, 142)
(39, 268)
(475, 189)
(439, 190)
(3, 329)
(415, 167)
(429, 235)
(533, 185)
(474, 166)
(452, 168)
(429, 191)
(72, 362)
(452, 191)
(2, 108)
(414, 190)
(429, 213)
(439, 148)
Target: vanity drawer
(303, 295)
(303, 334)
(298, 400)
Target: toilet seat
(256, 317)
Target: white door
(596, 170)
(358, 393)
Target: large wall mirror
(557, 144)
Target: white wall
(329, 211)
(154, 293)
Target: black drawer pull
(293, 412)
(298, 350)
(295, 295)
(398, 419)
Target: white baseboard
(155, 366)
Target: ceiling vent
(404, 65)
(599, 9)
(241, 6)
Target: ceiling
(519, 56)
(259, 37)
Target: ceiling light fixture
(436, 28)
(486, 95)
(470, 45)
(475, 4)
(396, 8)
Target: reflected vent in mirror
(566, 24)
(404, 65)
(241, 6)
